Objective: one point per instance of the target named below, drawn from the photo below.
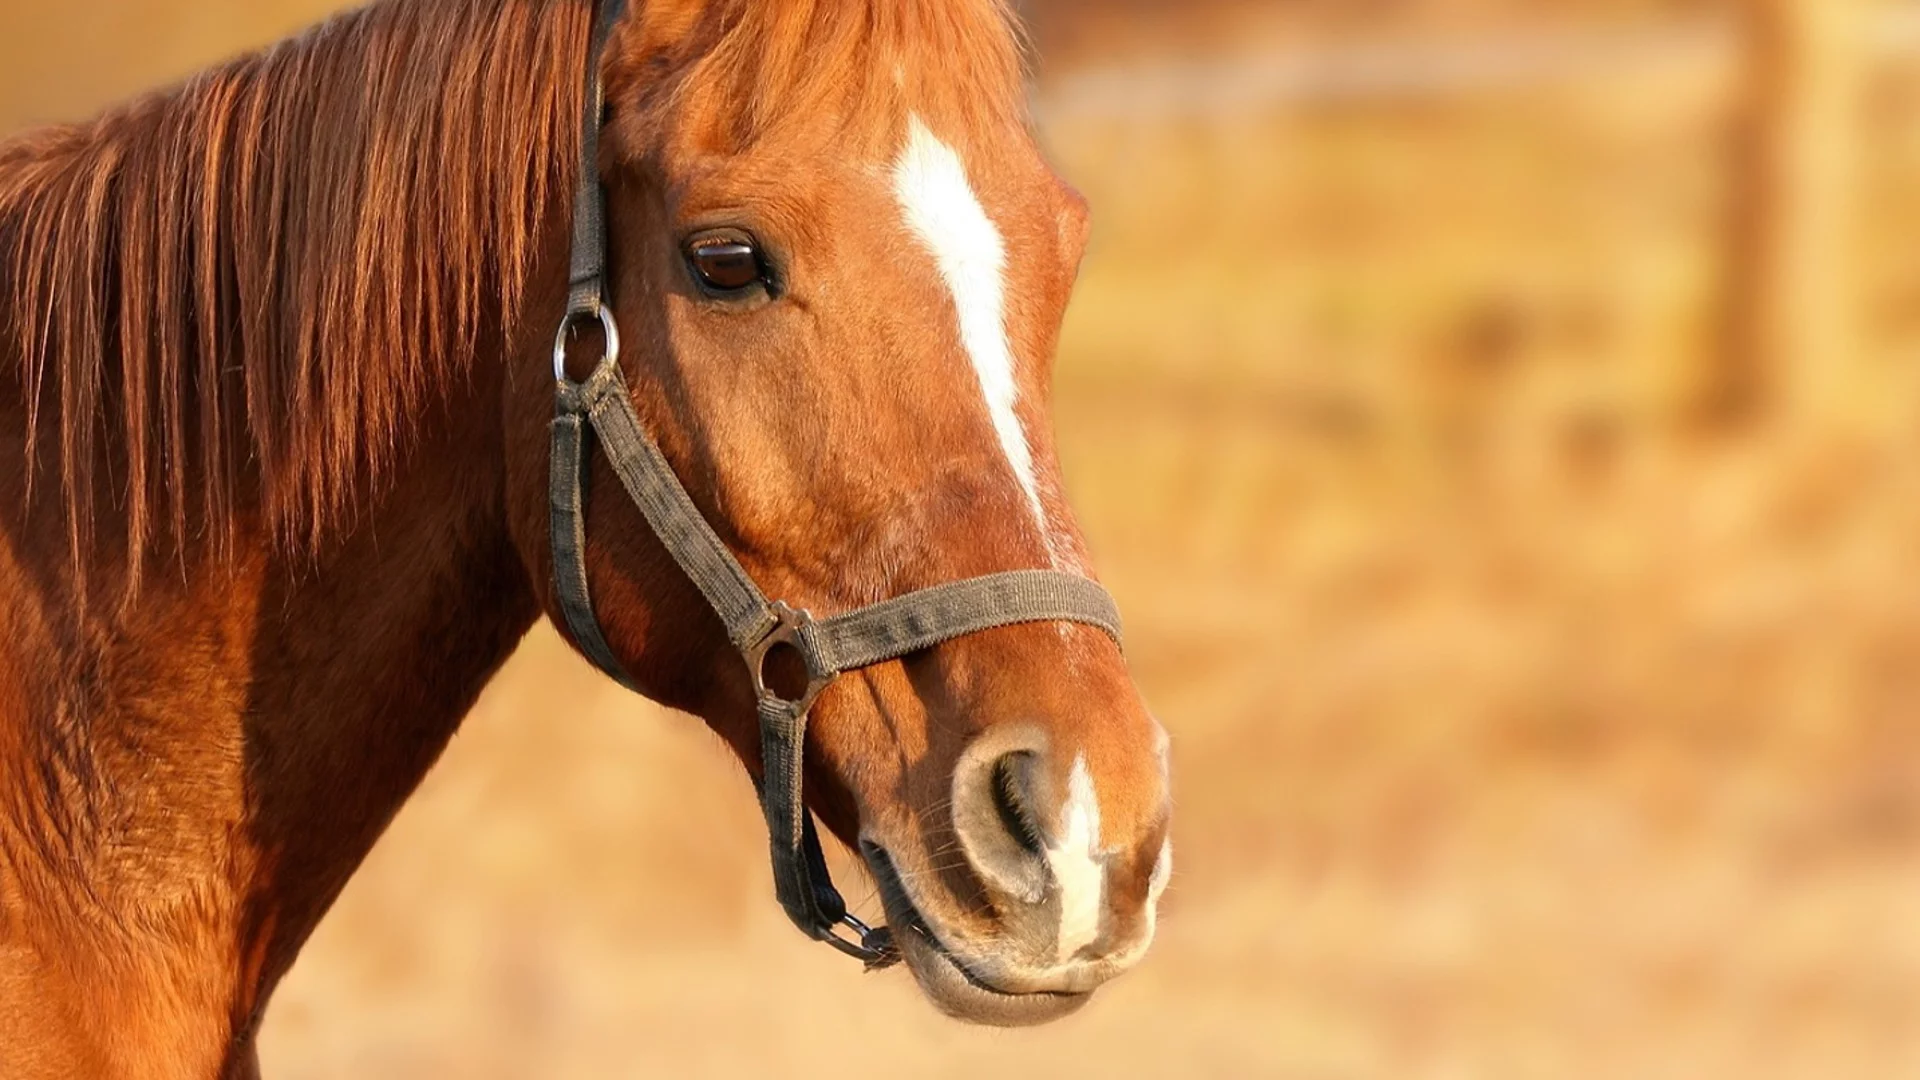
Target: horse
(287, 484)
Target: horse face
(843, 343)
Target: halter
(756, 627)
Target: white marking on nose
(1078, 871)
(931, 183)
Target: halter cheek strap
(600, 410)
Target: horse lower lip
(947, 982)
(959, 993)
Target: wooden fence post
(1791, 347)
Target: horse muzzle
(1038, 915)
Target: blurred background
(1498, 418)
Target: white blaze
(1078, 870)
(931, 183)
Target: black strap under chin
(600, 409)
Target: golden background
(1498, 420)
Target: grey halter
(600, 410)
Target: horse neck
(193, 778)
(365, 663)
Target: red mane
(263, 271)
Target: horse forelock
(741, 71)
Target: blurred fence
(1333, 72)
(1784, 82)
(1703, 47)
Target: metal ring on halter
(789, 629)
(875, 947)
(609, 328)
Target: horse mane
(266, 270)
(269, 267)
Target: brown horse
(275, 408)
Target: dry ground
(1522, 729)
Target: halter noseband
(756, 627)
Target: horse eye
(726, 265)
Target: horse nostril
(1012, 799)
(999, 811)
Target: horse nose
(1075, 885)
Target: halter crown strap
(601, 409)
(587, 269)
(586, 298)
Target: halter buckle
(609, 329)
(792, 629)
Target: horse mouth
(947, 982)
